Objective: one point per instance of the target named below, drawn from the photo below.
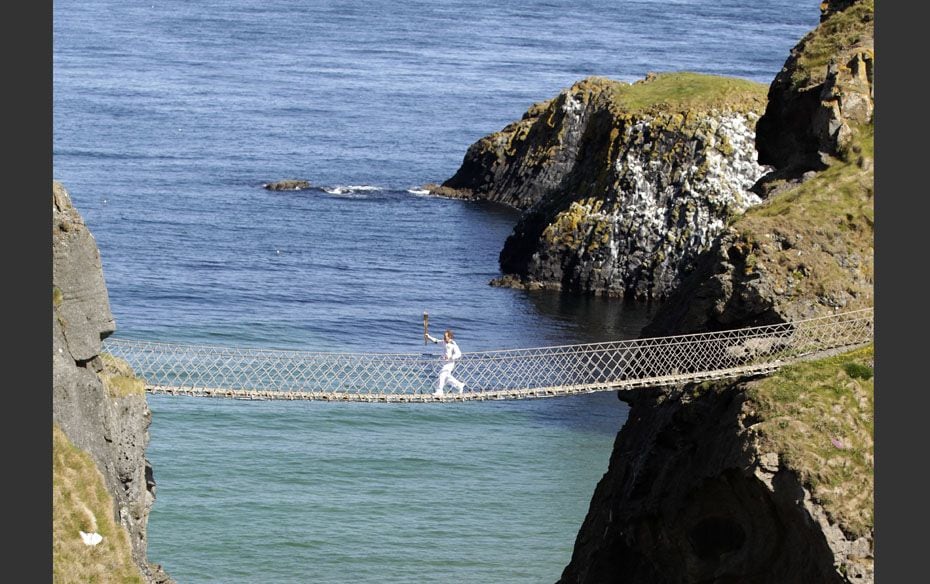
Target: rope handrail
(494, 374)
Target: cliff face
(92, 404)
(808, 249)
(622, 185)
(768, 480)
(823, 93)
(755, 482)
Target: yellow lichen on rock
(118, 377)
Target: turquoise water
(314, 492)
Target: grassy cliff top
(841, 194)
(685, 91)
(830, 216)
(819, 417)
(80, 502)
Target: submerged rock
(287, 185)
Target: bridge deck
(268, 374)
(452, 396)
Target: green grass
(80, 502)
(685, 91)
(828, 198)
(819, 417)
(834, 212)
(858, 371)
(118, 377)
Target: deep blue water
(168, 118)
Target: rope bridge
(251, 373)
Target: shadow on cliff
(681, 502)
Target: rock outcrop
(622, 185)
(110, 425)
(808, 250)
(767, 480)
(823, 95)
(287, 185)
(719, 483)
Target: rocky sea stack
(621, 184)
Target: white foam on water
(356, 191)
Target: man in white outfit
(450, 354)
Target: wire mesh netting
(509, 373)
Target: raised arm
(430, 338)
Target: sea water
(169, 116)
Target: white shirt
(450, 350)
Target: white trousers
(445, 374)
